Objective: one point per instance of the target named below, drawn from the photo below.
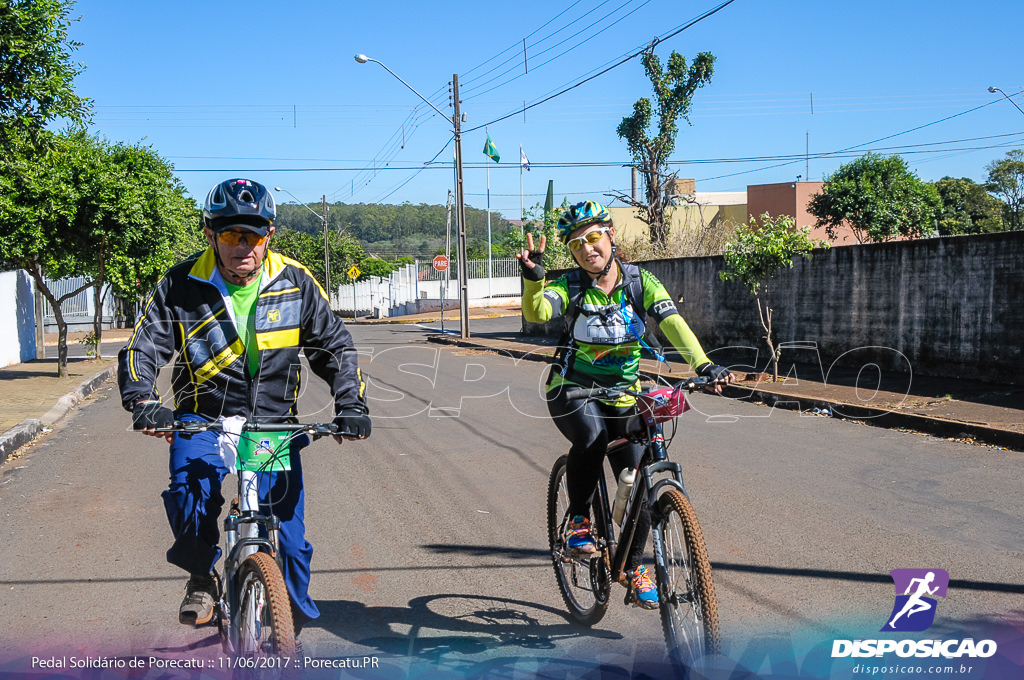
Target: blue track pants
(193, 502)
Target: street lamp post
(327, 250)
(460, 202)
(993, 89)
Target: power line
(436, 97)
(415, 174)
(516, 45)
(795, 157)
(616, 65)
(579, 44)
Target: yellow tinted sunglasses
(231, 237)
(590, 238)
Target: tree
(344, 251)
(36, 71)
(540, 222)
(760, 250)
(78, 205)
(967, 208)
(138, 220)
(1006, 179)
(651, 148)
(878, 198)
(375, 266)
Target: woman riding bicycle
(605, 302)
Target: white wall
(404, 292)
(17, 318)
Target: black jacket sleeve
(150, 347)
(329, 348)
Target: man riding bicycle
(236, 316)
(605, 302)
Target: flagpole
(488, 223)
(522, 215)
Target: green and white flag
(491, 150)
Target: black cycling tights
(589, 425)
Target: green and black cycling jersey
(605, 336)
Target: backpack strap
(635, 294)
(565, 352)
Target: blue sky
(271, 91)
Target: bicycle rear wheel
(689, 608)
(583, 580)
(266, 633)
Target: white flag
(523, 161)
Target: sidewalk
(951, 409)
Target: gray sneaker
(200, 600)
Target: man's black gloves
(537, 273)
(151, 415)
(353, 422)
(713, 371)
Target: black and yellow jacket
(190, 314)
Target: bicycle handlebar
(315, 430)
(688, 384)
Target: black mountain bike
(686, 591)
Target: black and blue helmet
(239, 202)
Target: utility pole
(327, 249)
(460, 214)
(448, 254)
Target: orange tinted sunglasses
(231, 237)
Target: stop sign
(441, 263)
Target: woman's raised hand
(531, 257)
(531, 260)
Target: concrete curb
(28, 429)
(434, 319)
(893, 420)
(804, 403)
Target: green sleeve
(654, 290)
(683, 339)
(541, 302)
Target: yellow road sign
(354, 272)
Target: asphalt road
(430, 537)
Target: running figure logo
(914, 611)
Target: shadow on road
(440, 625)
(861, 577)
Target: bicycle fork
(242, 538)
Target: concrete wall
(943, 306)
(712, 206)
(17, 318)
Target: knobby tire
(266, 631)
(583, 581)
(689, 607)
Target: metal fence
(477, 269)
(79, 310)
(415, 286)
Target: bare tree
(650, 145)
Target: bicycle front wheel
(583, 580)
(689, 608)
(266, 633)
